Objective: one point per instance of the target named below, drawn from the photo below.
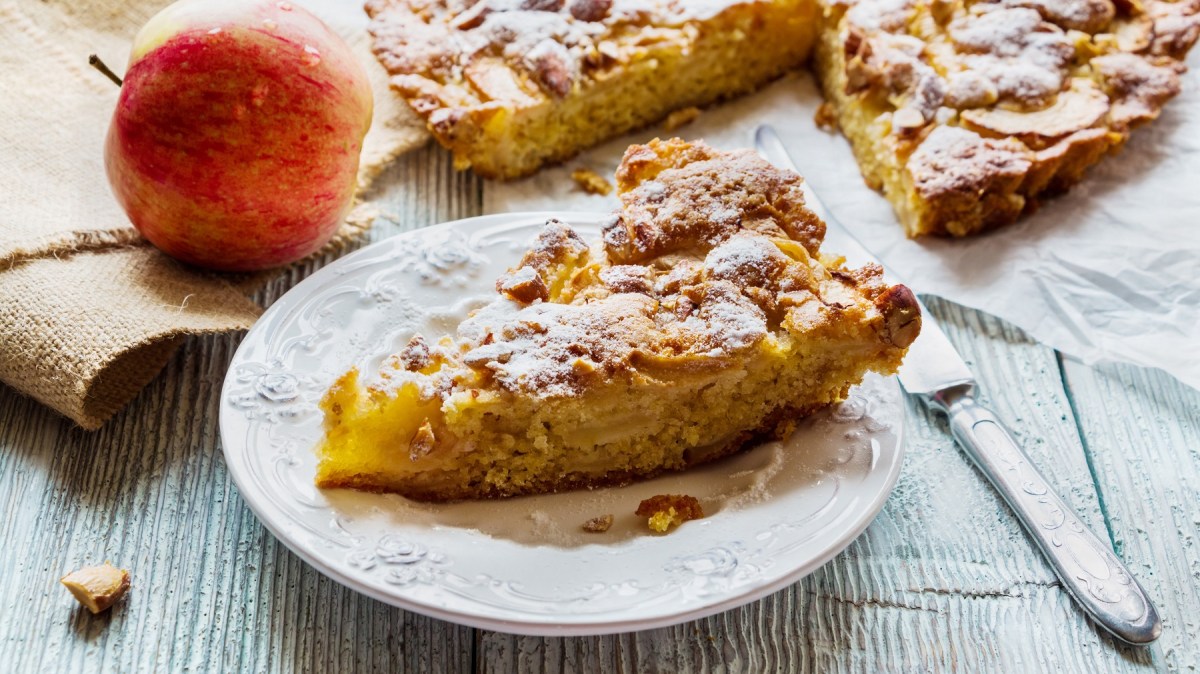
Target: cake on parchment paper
(966, 113)
(511, 85)
(963, 112)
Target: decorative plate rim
(545, 624)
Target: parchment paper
(1108, 272)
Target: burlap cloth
(89, 312)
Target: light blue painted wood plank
(1143, 437)
(211, 589)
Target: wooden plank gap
(1088, 457)
(876, 603)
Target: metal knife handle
(1088, 569)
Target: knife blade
(934, 372)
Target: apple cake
(965, 112)
(510, 85)
(704, 318)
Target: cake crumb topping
(676, 195)
(1024, 56)
(952, 159)
(681, 282)
(1137, 86)
(554, 43)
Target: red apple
(236, 138)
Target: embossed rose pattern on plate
(775, 513)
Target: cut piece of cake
(510, 85)
(705, 318)
(964, 113)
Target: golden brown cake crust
(509, 85)
(965, 112)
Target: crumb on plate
(665, 511)
(598, 525)
(826, 117)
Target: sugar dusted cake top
(517, 51)
(1119, 60)
(965, 112)
(711, 253)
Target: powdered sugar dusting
(709, 276)
(1138, 88)
(952, 159)
(1024, 57)
(551, 350)
(894, 60)
(727, 322)
(552, 40)
(748, 259)
(1086, 15)
(523, 274)
(1007, 51)
(886, 15)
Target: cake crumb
(665, 511)
(591, 182)
(598, 525)
(97, 587)
(825, 117)
(679, 118)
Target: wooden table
(943, 580)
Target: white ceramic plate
(775, 513)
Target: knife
(935, 373)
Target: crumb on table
(681, 117)
(97, 587)
(665, 511)
(591, 182)
(598, 525)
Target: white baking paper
(1108, 272)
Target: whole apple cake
(511, 85)
(966, 112)
(706, 317)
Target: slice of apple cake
(510, 85)
(965, 112)
(705, 318)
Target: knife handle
(1087, 567)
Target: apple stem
(96, 63)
